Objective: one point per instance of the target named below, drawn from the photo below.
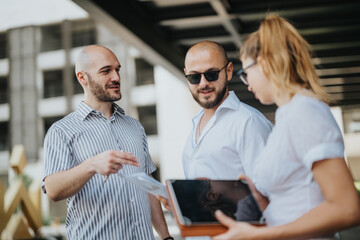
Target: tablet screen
(197, 200)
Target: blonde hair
(287, 56)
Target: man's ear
(82, 78)
(229, 71)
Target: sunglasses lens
(211, 76)
(194, 78)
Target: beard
(100, 92)
(208, 103)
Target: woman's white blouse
(305, 132)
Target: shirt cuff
(323, 151)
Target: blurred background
(40, 39)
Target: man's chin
(111, 99)
(207, 104)
(116, 97)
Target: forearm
(325, 219)
(157, 217)
(64, 184)
(340, 209)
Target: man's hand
(165, 202)
(64, 184)
(112, 161)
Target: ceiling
(332, 27)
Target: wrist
(91, 169)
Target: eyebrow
(108, 66)
(207, 70)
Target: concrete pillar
(68, 68)
(24, 117)
(175, 109)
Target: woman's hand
(262, 201)
(237, 230)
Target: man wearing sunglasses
(227, 134)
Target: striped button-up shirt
(114, 209)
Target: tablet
(194, 203)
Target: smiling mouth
(205, 91)
(114, 86)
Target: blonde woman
(306, 190)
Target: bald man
(227, 135)
(95, 142)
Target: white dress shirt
(229, 143)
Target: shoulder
(251, 114)
(65, 122)
(244, 118)
(308, 108)
(307, 116)
(65, 126)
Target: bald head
(87, 56)
(207, 46)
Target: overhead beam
(195, 22)
(133, 26)
(337, 71)
(343, 89)
(298, 12)
(338, 45)
(219, 39)
(167, 3)
(339, 81)
(221, 10)
(341, 59)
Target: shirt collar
(231, 102)
(84, 110)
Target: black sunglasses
(242, 74)
(210, 76)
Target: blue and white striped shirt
(113, 210)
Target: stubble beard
(100, 92)
(210, 104)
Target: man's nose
(203, 82)
(115, 75)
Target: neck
(283, 99)
(208, 112)
(103, 107)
